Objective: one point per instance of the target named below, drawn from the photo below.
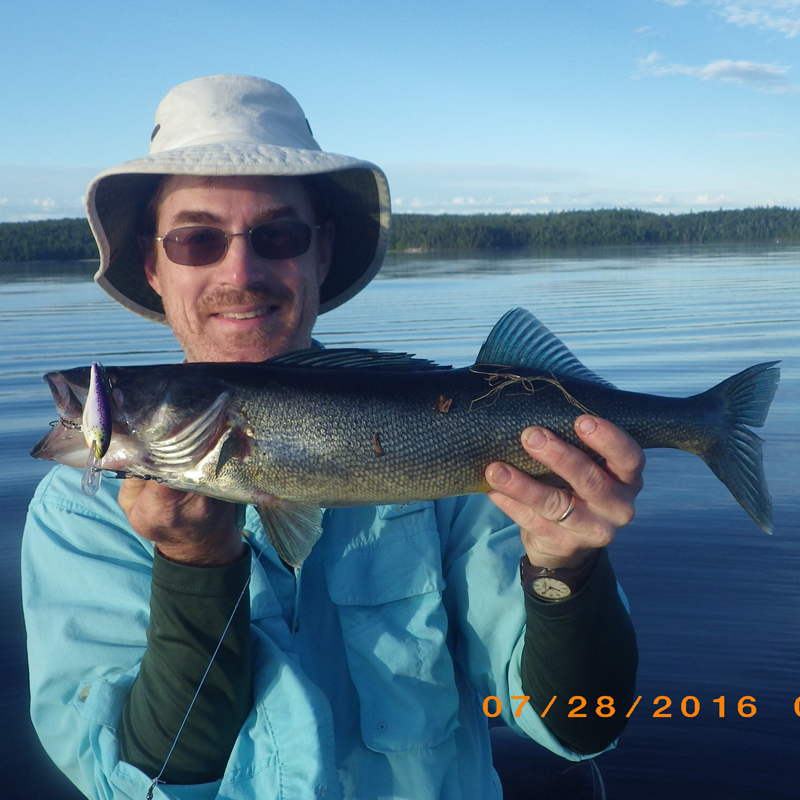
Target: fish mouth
(65, 438)
(64, 443)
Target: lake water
(715, 601)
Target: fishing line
(501, 380)
(157, 779)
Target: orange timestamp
(604, 706)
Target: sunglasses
(199, 245)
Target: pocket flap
(101, 701)
(402, 561)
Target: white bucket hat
(237, 125)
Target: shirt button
(382, 726)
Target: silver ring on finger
(569, 510)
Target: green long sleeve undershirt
(189, 609)
(583, 646)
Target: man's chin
(250, 346)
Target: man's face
(243, 307)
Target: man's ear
(148, 249)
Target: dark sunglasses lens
(284, 238)
(196, 246)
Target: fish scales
(317, 446)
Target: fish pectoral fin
(231, 448)
(292, 528)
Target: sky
(522, 106)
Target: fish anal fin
(292, 528)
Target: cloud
(716, 200)
(674, 3)
(42, 192)
(483, 187)
(781, 16)
(525, 188)
(648, 63)
(48, 204)
(764, 77)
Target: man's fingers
(525, 497)
(129, 493)
(550, 537)
(548, 512)
(624, 459)
(557, 526)
(585, 477)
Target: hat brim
(356, 195)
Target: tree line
(71, 239)
(605, 227)
(47, 240)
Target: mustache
(258, 294)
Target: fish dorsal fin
(352, 358)
(520, 340)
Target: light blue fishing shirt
(370, 666)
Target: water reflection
(572, 259)
(44, 271)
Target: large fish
(324, 428)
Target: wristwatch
(554, 585)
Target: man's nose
(240, 266)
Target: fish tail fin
(292, 528)
(736, 458)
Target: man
(364, 674)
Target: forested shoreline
(71, 239)
(47, 240)
(604, 227)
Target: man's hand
(604, 494)
(185, 527)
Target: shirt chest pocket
(388, 597)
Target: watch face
(551, 588)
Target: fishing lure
(96, 426)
